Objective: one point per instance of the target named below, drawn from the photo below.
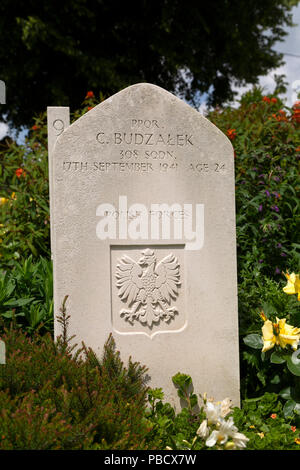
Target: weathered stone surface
(58, 119)
(143, 219)
(2, 352)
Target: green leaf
(275, 380)
(254, 341)
(18, 302)
(286, 393)
(288, 408)
(293, 365)
(182, 380)
(268, 309)
(156, 393)
(193, 400)
(276, 358)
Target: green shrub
(26, 295)
(263, 422)
(52, 397)
(266, 137)
(25, 220)
(266, 144)
(168, 428)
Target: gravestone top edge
(157, 89)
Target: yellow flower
(261, 435)
(268, 336)
(279, 333)
(293, 284)
(3, 200)
(297, 440)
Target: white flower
(226, 430)
(203, 430)
(214, 438)
(213, 412)
(226, 405)
(240, 440)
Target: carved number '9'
(59, 126)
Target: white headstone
(143, 219)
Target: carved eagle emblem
(148, 287)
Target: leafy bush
(168, 429)
(258, 374)
(265, 135)
(260, 423)
(53, 397)
(24, 199)
(278, 344)
(26, 295)
(263, 422)
(266, 144)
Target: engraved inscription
(131, 138)
(148, 287)
(148, 132)
(59, 126)
(147, 149)
(198, 168)
(147, 123)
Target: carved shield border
(123, 327)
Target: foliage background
(51, 52)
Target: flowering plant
(293, 284)
(218, 431)
(279, 343)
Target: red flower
(90, 107)
(273, 416)
(298, 149)
(296, 111)
(274, 100)
(266, 99)
(90, 94)
(19, 172)
(281, 116)
(231, 134)
(35, 127)
(293, 428)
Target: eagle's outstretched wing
(168, 277)
(129, 282)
